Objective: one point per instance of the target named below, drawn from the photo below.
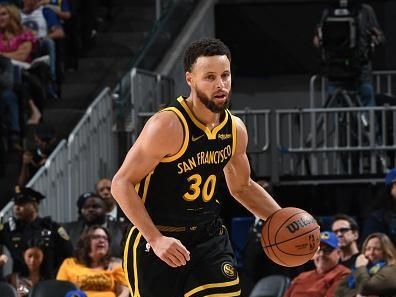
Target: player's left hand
(171, 251)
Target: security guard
(26, 224)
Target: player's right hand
(171, 251)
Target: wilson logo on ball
(312, 242)
(290, 237)
(300, 223)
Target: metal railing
(309, 142)
(383, 82)
(257, 124)
(149, 93)
(92, 147)
(354, 141)
(76, 164)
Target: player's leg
(148, 275)
(213, 271)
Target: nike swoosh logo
(196, 138)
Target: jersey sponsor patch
(224, 136)
(62, 233)
(228, 270)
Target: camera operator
(348, 62)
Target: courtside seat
(271, 286)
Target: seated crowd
(86, 252)
(351, 261)
(39, 40)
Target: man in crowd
(27, 224)
(103, 189)
(45, 141)
(92, 211)
(323, 280)
(347, 231)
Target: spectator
(26, 225)
(93, 269)
(63, 10)
(92, 211)
(34, 258)
(347, 231)
(41, 20)
(33, 159)
(375, 270)
(323, 280)
(383, 219)
(46, 25)
(103, 187)
(15, 44)
(60, 7)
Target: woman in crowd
(16, 43)
(375, 270)
(33, 256)
(93, 269)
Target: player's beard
(211, 104)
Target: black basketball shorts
(210, 271)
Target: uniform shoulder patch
(63, 233)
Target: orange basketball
(290, 237)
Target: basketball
(290, 237)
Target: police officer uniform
(181, 198)
(15, 233)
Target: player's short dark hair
(352, 222)
(205, 47)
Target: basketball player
(167, 186)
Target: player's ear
(189, 78)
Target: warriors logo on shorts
(228, 270)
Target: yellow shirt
(94, 282)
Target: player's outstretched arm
(162, 136)
(241, 186)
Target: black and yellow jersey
(182, 189)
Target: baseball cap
(76, 293)
(25, 194)
(84, 197)
(390, 177)
(329, 238)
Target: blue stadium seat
(239, 234)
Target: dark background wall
(275, 37)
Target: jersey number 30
(207, 189)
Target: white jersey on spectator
(36, 22)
